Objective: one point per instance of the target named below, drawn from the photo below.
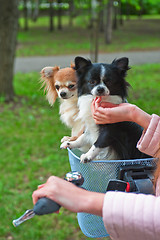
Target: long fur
(109, 141)
(62, 84)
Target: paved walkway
(29, 64)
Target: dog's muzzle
(100, 90)
(63, 95)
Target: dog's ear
(49, 72)
(121, 64)
(81, 63)
(47, 79)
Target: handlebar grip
(45, 206)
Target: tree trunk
(35, 10)
(90, 25)
(59, 15)
(25, 15)
(101, 16)
(8, 34)
(94, 32)
(120, 12)
(108, 29)
(141, 9)
(51, 16)
(128, 10)
(71, 12)
(115, 22)
(94, 39)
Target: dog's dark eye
(70, 86)
(57, 87)
(92, 81)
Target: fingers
(99, 119)
(47, 189)
(106, 112)
(99, 116)
(98, 102)
(98, 99)
(37, 195)
(95, 105)
(41, 185)
(108, 105)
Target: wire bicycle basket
(97, 175)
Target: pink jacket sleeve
(129, 216)
(149, 142)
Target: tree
(108, 29)
(120, 12)
(35, 9)
(25, 15)
(51, 16)
(8, 34)
(115, 18)
(71, 12)
(101, 16)
(59, 15)
(94, 31)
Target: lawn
(135, 34)
(30, 133)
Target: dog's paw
(65, 145)
(65, 139)
(84, 158)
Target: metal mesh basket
(96, 177)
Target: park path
(30, 64)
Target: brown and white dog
(62, 83)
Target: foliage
(44, 5)
(148, 6)
(136, 34)
(30, 133)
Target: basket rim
(112, 161)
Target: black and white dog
(108, 141)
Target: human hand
(70, 196)
(105, 112)
(59, 191)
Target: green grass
(145, 89)
(134, 35)
(30, 133)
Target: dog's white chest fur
(91, 133)
(91, 129)
(84, 103)
(68, 113)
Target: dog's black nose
(100, 90)
(63, 94)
